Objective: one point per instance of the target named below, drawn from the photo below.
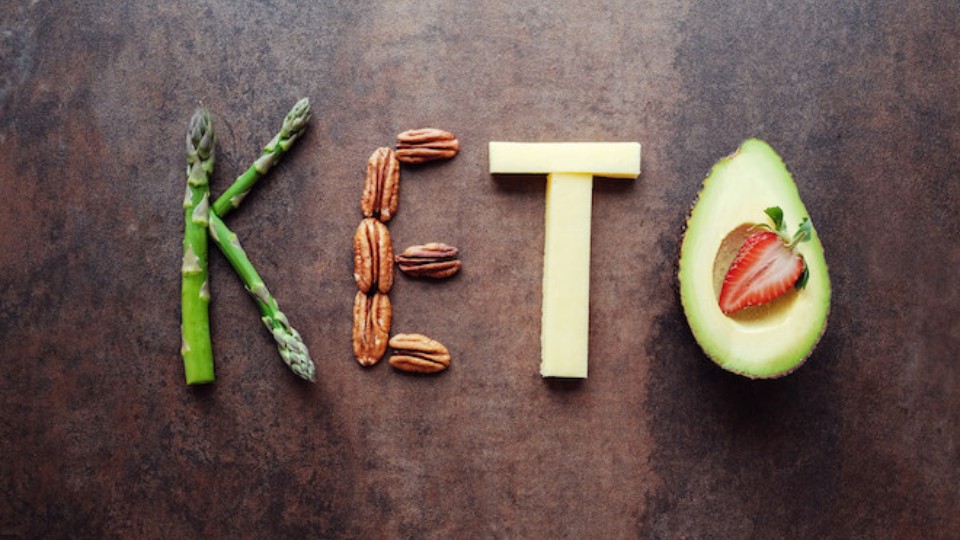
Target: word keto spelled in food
(570, 168)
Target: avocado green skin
(770, 349)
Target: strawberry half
(766, 266)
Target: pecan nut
(381, 187)
(426, 144)
(373, 257)
(434, 260)
(418, 354)
(371, 327)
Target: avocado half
(764, 341)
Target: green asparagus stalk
(291, 346)
(293, 125)
(195, 291)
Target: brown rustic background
(99, 437)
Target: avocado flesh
(766, 341)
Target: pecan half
(371, 327)
(426, 144)
(418, 354)
(434, 260)
(381, 187)
(373, 257)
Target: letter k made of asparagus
(202, 220)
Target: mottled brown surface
(99, 437)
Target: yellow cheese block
(570, 168)
(613, 160)
(565, 326)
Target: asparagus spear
(289, 343)
(293, 125)
(195, 292)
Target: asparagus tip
(200, 135)
(296, 120)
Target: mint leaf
(804, 232)
(804, 276)
(776, 215)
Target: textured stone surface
(100, 437)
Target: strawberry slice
(765, 268)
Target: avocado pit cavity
(770, 313)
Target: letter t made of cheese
(570, 168)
